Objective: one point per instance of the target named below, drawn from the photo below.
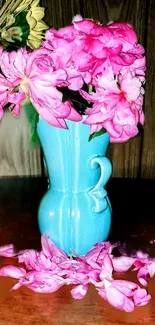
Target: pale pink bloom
(36, 78)
(13, 65)
(13, 271)
(117, 104)
(87, 45)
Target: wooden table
(133, 222)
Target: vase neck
(68, 155)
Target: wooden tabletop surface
(133, 223)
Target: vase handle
(99, 193)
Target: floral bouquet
(82, 69)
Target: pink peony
(5, 88)
(107, 59)
(34, 74)
(87, 45)
(117, 104)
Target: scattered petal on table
(122, 263)
(50, 249)
(13, 271)
(79, 291)
(116, 298)
(151, 269)
(48, 270)
(143, 275)
(141, 297)
(7, 251)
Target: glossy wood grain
(133, 222)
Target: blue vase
(75, 212)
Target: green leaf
(97, 134)
(33, 118)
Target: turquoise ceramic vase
(75, 212)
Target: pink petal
(79, 291)
(29, 257)
(16, 98)
(7, 251)
(122, 263)
(141, 298)
(143, 275)
(74, 116)
(117, 298)
(13, 271)
(1, 113)
(126, 287)
(151, 269)
(77, 18)
(42, 288)
(94, 277)
(15, 110)
(50, 249)
(107, 268)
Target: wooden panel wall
(133, 159)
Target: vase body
(75, 212)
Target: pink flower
(117, 104)
(87, 45)
(13, 65)
(33, 72)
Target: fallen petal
(141, 298)
(79, 291)
(13, 271)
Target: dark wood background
(135, 159)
